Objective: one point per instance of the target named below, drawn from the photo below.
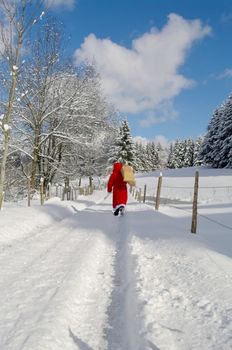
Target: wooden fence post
(144, 193)
(41, 191)
(133, 192)
(62, 193)
(157, 202)
(90, 182)
(49, 190)
(194, 209)
(68, 193)
(75, 193)
(91, 189)
(28, 192)
(57, 186)
(136, 194)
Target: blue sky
(165, 64)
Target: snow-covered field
(215, 185)
(73, 276)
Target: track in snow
(93, 281)
(123, 331)
(72, 279)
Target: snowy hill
(73, 276)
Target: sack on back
(128, 175)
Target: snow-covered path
(184, 290)
(60, 284)
(81, 278)
(54, 281)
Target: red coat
(118, 185)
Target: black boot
(116, 212)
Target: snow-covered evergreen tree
(211, 144)
(140, 156)
(216, 147)
(196, 151)
(170, 160)
(223, 147)
(148, 157)
(178, 154)
(124, 146)
(155, 160)
(114, 146)
(181, 154)
(189, 149)
(162, 155)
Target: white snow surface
(73, 276)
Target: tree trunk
(3, 166)
(8, 114)
(35, 160)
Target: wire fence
(172, 193)
(64, 191)
(184, 194)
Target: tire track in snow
(123, 331)
(73, 294)
(69, 292)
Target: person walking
(119, 188)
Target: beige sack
(128, 175)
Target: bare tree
(17, 18)
(60, 110)
(55, 112)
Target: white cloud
(141, 139)
(226, 74)
(57, 3)
(162, 140)
(158, 139)
(145, 76)
(162, 113)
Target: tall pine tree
(211, 144)
(224, 142)
(124, 146)
(196, 151)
